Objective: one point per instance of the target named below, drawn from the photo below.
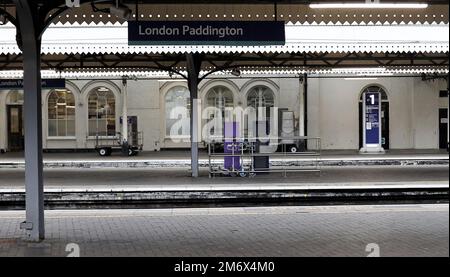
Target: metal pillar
(305, 104)
(448, 115)
(194, 62)
(31, 48)
(124, 116)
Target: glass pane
(61, 108)
(111, 127)
(70, 128)
(15, 97)
(15, 120)
(70, 112)
(375, 89)
(177, 97)
(61, 128)
(52, 128)
(102, 112)
(92, 127)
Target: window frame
(58, 137)
(88, 95)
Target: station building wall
(333, 113)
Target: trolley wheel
(293, 149)
(243, 174)
(104, 152)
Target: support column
(124, 116)
(193, 67)
(448, 115)
(305, 104)
(31, 48)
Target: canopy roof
(286, 10)
(321, 39)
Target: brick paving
(403, 230)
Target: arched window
(15, 97)
(61, 113)
(219, 97)
(102, 112)
(262, 99)
(178, 108)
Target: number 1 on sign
(372, 99)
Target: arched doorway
(385, 142)
(14, 115)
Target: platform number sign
(372, 118)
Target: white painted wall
(332, 109)
(426, 117)
(414, 104)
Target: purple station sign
(372, 117)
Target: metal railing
(243, 156)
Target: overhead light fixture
(120, 11)
(3, 19)
(360, 78)
(369, 5)
(358, 69)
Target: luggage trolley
(246, 157)
(236, 156)
(105, 145)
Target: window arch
(15, 97)
(260, 96)
(61, 113)
(178, 107)
(374, 88)
(220, 97)
(102, 112)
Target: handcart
(105, 145)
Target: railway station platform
(181, 159)
(337, 231)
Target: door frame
(439, 128)
(8, 125)
(384, 103)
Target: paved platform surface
(178, 179)
(403, 230)
(181, 158)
